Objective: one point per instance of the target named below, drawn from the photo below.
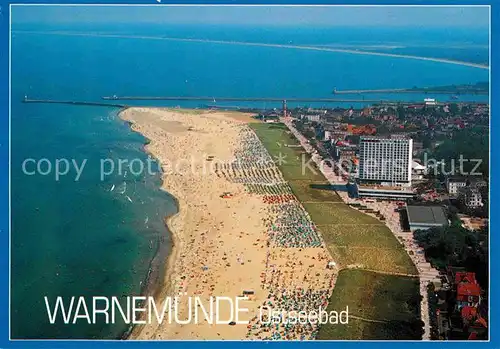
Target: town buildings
(468, 316)
(467, 190)
(470, 197)
(315, 118)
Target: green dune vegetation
(380, 306)
(383, 305)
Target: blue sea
(93, 237)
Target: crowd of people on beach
(237, 174)
(293, 226)
(252, 153)
(278, 199)
(253, 167)
(291, 284)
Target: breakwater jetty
(238, 99)
(444, 90)
(97, 104)
(282, 100)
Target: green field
(376, 296)
(338, 213)
(354, 239)
(359, 329)
(277, 140)
(370, 246)
(391, 302)
(373, 236)
(310, 191)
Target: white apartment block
(386, 161)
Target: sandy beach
(232, 232)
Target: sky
(470, 17)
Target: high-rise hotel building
(385, 161)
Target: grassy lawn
(384, 260)
(372, 246)
(390, 299)
(333, 213)
(376, 296)
(353, 238)
(351, 331)
(308, 191)
(359, 329)
(277, 140)
(373, 236)
(294, 173)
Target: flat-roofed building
(384, 192)
(426, 217)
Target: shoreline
(161, 286)
(153, 286)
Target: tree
(456, 246)
(469, 144)
(401, 113)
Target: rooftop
(393, 137)
(465, 277)
(426, 215)
(384, 187)
(468, 290)
(416, 166)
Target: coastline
(164, 284)
(299, 47)
(154, 286)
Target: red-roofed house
(468, 290)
